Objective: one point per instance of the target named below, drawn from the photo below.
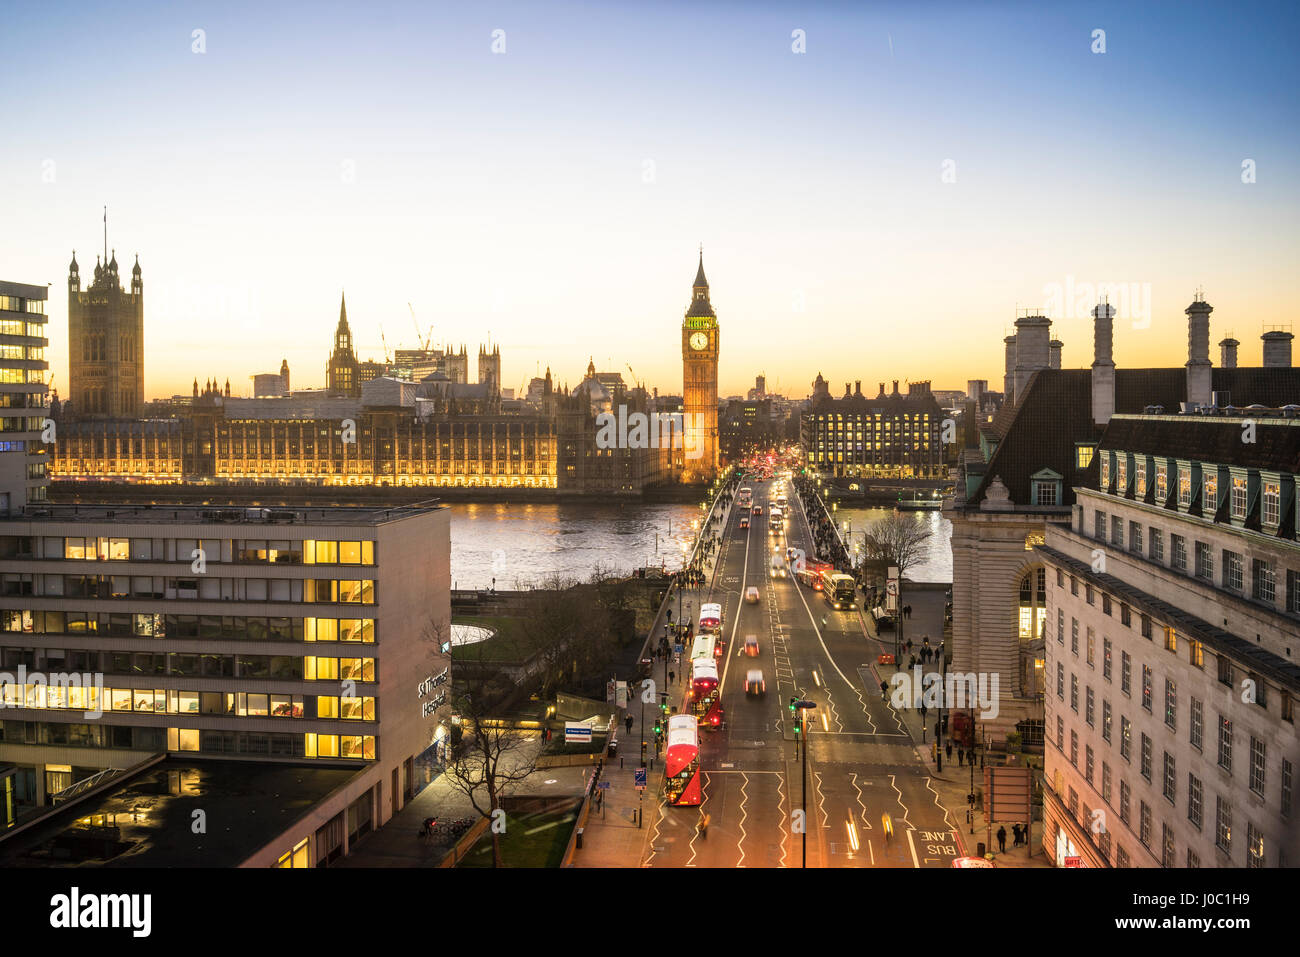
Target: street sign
(679, 649)
(639, 775)
(575, 732)
(603, 785)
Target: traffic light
(793, 702)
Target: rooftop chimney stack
(1103, 363)
(1228, 353)
(895, 387)
(1277, 349)
(1009, 376)
(1198, 351)
(1033, 333)
(1054, 353)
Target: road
(861, 762)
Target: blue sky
(554, 195)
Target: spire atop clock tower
(700, 306)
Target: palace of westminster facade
(416, 422)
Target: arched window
(1033, 604)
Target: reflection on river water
(521, 544)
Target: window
(1074, 637)
(1193, 859)
(1170, 784)
(1171, 639)
(1121, 856)
(1225, 670)
(1105, 721)
(1167, 856)
(1239, 497)
(1135, 537)
(1105, 605)
(1105, 472)
(1121, 474)
(1225, 744)
(1204, 562)
(1184, 486)
(1124, 793)
(1105, 658)
(1074, 693)
(1162, 483)
(1179, 546)
(1232, 571)
(1272, 503)
(1090, 707)
(1257, 753)
(1156, 544)
(1140, 477)
(1047, 492)
(1144, 762)
(1074, 748)
(1254, 846)
(1083, 455)
(1060, 734)
(1287, 773)
(1105, 782)
(1060, 627)
(1117, 531)
(1210, 491)
(1125, 738)
(1223, 825)
(1195, 722)
(1196, 653)
(1144, 823)
(1263, 580)
(1125, 615)
(1194, 800)
(1060, 681)
(1099, 525)
(1087, 764)
(1146, 688)
(1171, 704)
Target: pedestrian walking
(1015, 835)
(672, 677)
(628, 723)
(960, 756)
(1002, 838)
(948, 750)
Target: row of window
(306, 552)
(80, 661)
(213, 627)
(171, 701)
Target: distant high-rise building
(343, 374)
(700, 383)
(105, 342)
(23, 395)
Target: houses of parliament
(413, 420)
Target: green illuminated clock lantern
(699, 341)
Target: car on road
(744, 521)
(751, 594)
(751, 645)
(758, 510)
(754, 683)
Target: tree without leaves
(493, 758)
(896, 539)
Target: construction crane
(635, 383)
(422, 342)
(387, 357)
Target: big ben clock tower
(700, 384)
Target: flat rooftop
(224, 514)
(146, 821)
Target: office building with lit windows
(1173, 626)
(890, 436)
(310, 647)
(24, 395)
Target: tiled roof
(1205, 438)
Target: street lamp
(800, 707)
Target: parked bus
(710, 617)
(706, 693)
(745, 498)
(682, 762)
(838, 589)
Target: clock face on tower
(699, 341)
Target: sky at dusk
(877, 207)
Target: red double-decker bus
(682, 762)
(706, 694)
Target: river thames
(520, 545)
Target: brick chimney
(1009, 376)
(1033, 352)
(1103, 363)
(1228, 353)
(1277, 349)
(1198, 352)
(1054, 353)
